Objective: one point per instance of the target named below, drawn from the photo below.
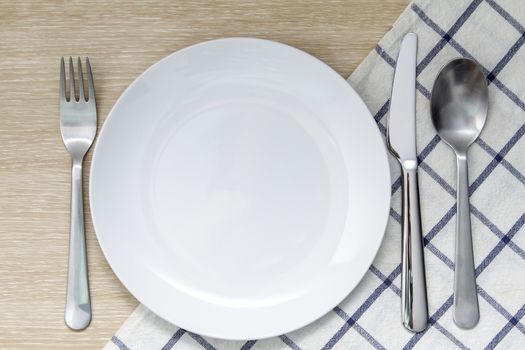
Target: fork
(78, 126)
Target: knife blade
(401, 125)
(401, 140)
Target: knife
(401, 140)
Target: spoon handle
(413, 286)
(466, 309)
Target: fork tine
(62, 90)
(81, 96)
(72, 96)
(91, 85)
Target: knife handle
(414, 307)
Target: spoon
(459, 109)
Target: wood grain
(122, 39)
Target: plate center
(241, 193)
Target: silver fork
(78, 125)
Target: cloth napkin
(493, 33)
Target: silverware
(78, 125)
(459, 109)
(401, 140)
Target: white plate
(240, 188)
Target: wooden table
(122, 40)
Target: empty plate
(240, 188)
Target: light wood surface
(122, 39)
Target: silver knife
(401, 140)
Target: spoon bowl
(459, 107)
(459, 103)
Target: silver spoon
(459, 109)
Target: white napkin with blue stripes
(493, 33)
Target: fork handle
(413, 286)
(78, 304)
